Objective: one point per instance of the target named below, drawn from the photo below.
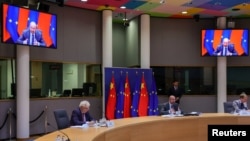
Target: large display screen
(28, 27)
(224, 42)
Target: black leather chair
(66, 93)
(161, 108)
(62, 119)
(228, 107)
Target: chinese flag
(127, 98)
(111, 102)
(143, 100)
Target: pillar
(145, 41)
(22, 95)
(106, 48)
(221, 72)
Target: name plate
(110, 123)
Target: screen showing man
(31, 36)
(225, 49)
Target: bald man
(225, 49)
(31, 36)
(170, 107)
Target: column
(22, 95)
(106, 48)
(145, 41)
(221, 72)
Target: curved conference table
(152, 128)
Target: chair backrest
(161, 108)
(62, 119)
(66, 92)
(228, 107)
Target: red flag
(111, 102)
(127, 98)
(143, 100)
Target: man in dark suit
(176, 91)
(170, 107)
(31, 36)
(81, 115)
(225, 49)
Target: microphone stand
(59, 131)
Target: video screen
(28, 27)
(224, 42)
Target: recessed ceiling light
(184, 12)
(123, 7)
(84, 0)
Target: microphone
(59, 131)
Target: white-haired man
(81, 115)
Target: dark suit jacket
(231, 49)
(76, 117)
(166, 108)
(26, 36)
(177, 93)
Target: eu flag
(153, 99)
(120, 99)
(33, 17)
(208, 41)
(244, 41)
(135, 96)
(53, 30)
(226, 34)
(12, 22)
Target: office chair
(62, 119)
(161, 108)
(228, 107)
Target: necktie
(32, 39)
(83, 117)
(225, 51)
(241, 106)
(171, 106)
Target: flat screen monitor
(224, 42)
(35, 92)
(24, 26)
(89, 88)
(77, 92)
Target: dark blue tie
(242, 106)
(225, 51)
(32, 39)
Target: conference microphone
(59, 131)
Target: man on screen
(31, 36)
(225, 49)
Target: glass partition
(65, 79)
(202, 80)
(53, 79)
(195, 80)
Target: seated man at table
(81, 115)
(170, 107)
(241, 103)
